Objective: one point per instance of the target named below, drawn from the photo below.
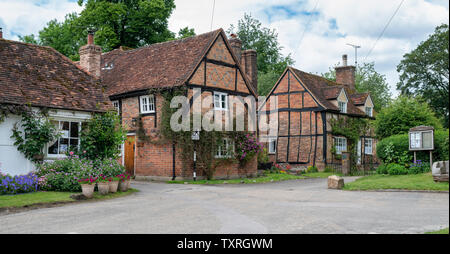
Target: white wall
(12, 161)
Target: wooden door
(130, 146)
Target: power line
(212, 16)
(384, 29)
(309, 21)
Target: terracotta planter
(113, 186)
(123, 185)
(103, 188)
(88, 190)
(128, 184)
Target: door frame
(134, 155)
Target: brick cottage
(135, 78)
(305, 105)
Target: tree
(403, 114)
(424, 72)
(185, 33)
(367, 79)
(132, 23)
(271, 63)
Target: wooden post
(414, 157)
(431, 160)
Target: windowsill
(147, 114)
(220, 109)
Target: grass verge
(320, 174)
(49, 197)
(270, 177)
(438, 232)
(403, 182)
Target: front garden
(91, 167)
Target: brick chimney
(1, 33)
(236, 45)
(345, 74)
(249, 65)
(90, 56)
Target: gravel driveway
(298, 206)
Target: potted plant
(103, 184)
(113, 184)
(124, 183)
(88, 185)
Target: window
(147, 104)
(69, 139)
(272, 146)
(369, 111)
(116, 105)
(342, 106)
(340, 143)
(220, 101)
(368, 145)
(225, 149)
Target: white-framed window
(369, 111)
(69, 139)
(342, 106)
(272, 146)
(368, 142)
(220, 101)
(340, 143)
(116, 105)
(225, 148)
(147, 104)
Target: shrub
(396, 169)
(395, 149)
(63, 175)
(110, 168)
(419, 168)
(18, 184)
(312, 169)
(247, 147)
(102, 137)
(382, 169)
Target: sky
(314, 32)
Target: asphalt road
(299, 206)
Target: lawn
(270, 177)
(320, 174)
(404, 182)
(442, 231)
(46, 197)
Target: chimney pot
(236, 46)
(90, 37)
(344, 60)
(1, 33)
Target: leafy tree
(185, 33)
(424, 72)
(132, 23)
(403, 114)
(270, 62)
(367, 79)
(29, 39)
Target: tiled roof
(159, 65)
(41, 76)
(324, 90)
(359, 98)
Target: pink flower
(71, 153)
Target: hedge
(400, 144)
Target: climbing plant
(32, 133)
(351, 128)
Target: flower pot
(113, 185)
(123, 186)
(103, 188)
(128, 184)
(88, 190)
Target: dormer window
(369, 111)
(342, 106)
